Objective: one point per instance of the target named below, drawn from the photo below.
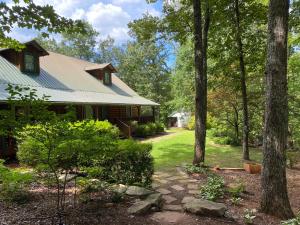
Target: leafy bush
(143, 131)
(130, 163)
(160, 127)
(294, 221)
(152, 128)
(197, 169)
(191, 123)
(14, 185)
(236, 200)
(213, 189)
(91, 185)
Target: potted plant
(252, 167)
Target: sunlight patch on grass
(179, 149)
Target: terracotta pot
(252, 168)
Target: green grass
(175, 150)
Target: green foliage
(236, 200)
(117, 197)
(14, 185)
(91, 185)
(214, 188)
(191, 123)
(197, 169)
(129, 162)
(79, 45)
(237, 189)
(249, 216)
(294, 221)
(24, 15)
(149, 129)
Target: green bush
(152, 128)
(213, 189)
(143, 131)
(191, 123)
(160, 127)
(14, 185)
(197, 169)
(236, 189)
(130, 163)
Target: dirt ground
(100, 211)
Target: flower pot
(252, 168)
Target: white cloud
(108, 17)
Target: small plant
(213, 189)
(294, 221)
(117, 197)
(249, 216)
(236, 200)
(196, 169)
(236, 189)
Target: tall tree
(243, 81)
(275, 198)
(79, 45)
(200, 51)
(29, 15)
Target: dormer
(28, 59)
(102, 72)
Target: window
(107, 78)
(30, 63)
(128, 111)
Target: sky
(108, 17)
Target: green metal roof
(65, 79)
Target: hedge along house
(92, 88)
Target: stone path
(175, 186)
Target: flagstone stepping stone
(119, 188)
(138, 191)
(177, 208)
(193, 186)
(194, 192)
(205, 207)
(169, 217)
(169, 199)
(163, 191)
(155, 185)
(163, 181)
(193, 180)
(187, 199)
(142, 207)
(177, 187)
(172, 178)
(183, 181)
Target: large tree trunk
(275, 199)
(243, 82)
(200, 49)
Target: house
(92, 88)
(179, 119)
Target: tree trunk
(243, 82)
(275, 199)
(200, 49)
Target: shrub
(160, 127)
(152, 128)
(249, 216)
(14, 185)
(197, 169)
(213, 189)
(191, 123)
(143, 131)
(130, 163)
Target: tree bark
(243, 82)
(200, 51)
(274, 198)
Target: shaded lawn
(175, 150)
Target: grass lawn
(177, 149)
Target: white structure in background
(179, 119)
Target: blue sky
(108, 17)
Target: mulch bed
(40, 209)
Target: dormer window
(107, 78)
(30, 63)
